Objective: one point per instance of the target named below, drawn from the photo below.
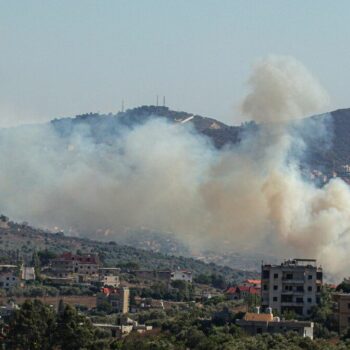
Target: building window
(309, 288)
(275, 299)
(275, 287)
(275, 275)
(309, 300)
(266, 274)
(318, 289)
(289, 276)
(265, 287)
(299, 300)
(348, 319)
(348, 305)
(309, 277)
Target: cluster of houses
(293, 287)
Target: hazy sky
(61, 58)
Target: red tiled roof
(253, 281)
(239, 289)
(231, 290)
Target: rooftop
(252, 316)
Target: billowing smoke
(282, 89)
(167, 177)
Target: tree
(31, 327)
(74, 331)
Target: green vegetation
(38, 327)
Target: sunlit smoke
(170, 178)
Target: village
(283, 299)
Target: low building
(118, 298)
(109, 276)
(252, 283)
(125, 327)
(110, 281)
(258, 323)
(181, 275)
(28, 273)
(341, 310)
(242, 292)
(9, 276)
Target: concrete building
(28, 273)
(118, 298)
(124, 328)
(9, 276)
(341, 310)
(68, 263)
(109, 276)
(258, 323)
(294, 285)
(181, 275)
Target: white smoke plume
(167, 177)
(282, 89)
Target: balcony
(293, 281)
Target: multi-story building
(342, 310)
(294, 285)
(68, 263)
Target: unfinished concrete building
(294, 285)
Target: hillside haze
(105, 128)
(181, 183)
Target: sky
(62, 58)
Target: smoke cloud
(167, 177)
(282, 89)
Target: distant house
(257, 323)
(68, 263)
(125, 327)
(181, 275)
(241, 292)
(9, 277)
(252, 283)
(28, 273)
(109, 276)
(164, 275)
